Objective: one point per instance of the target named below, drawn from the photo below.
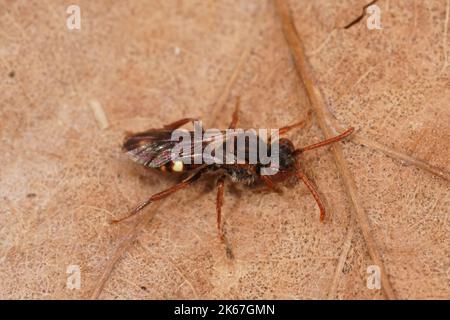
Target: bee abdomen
(241, 175)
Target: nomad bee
(153, 149)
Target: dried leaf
(149, 63)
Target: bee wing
(153, 148)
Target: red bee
(153, 149)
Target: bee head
(287, 154)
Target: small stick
(401, 156)
(395, 154)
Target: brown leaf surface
(147, 63)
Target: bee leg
(161, 195)
(235, 118)
(299, 124)
(314, 193)
(179, 123)
(219, 204)
(263, 190)
(271, 185)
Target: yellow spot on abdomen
(177, 166)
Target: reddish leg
(219, 204)
(314, 193)
(179, 123)
(235, 118)
(163, 194)
(299, 124)
(305, 179)
(270, 184)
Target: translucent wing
(152, 148)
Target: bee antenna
(326, 142)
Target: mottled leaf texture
(69, 97)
